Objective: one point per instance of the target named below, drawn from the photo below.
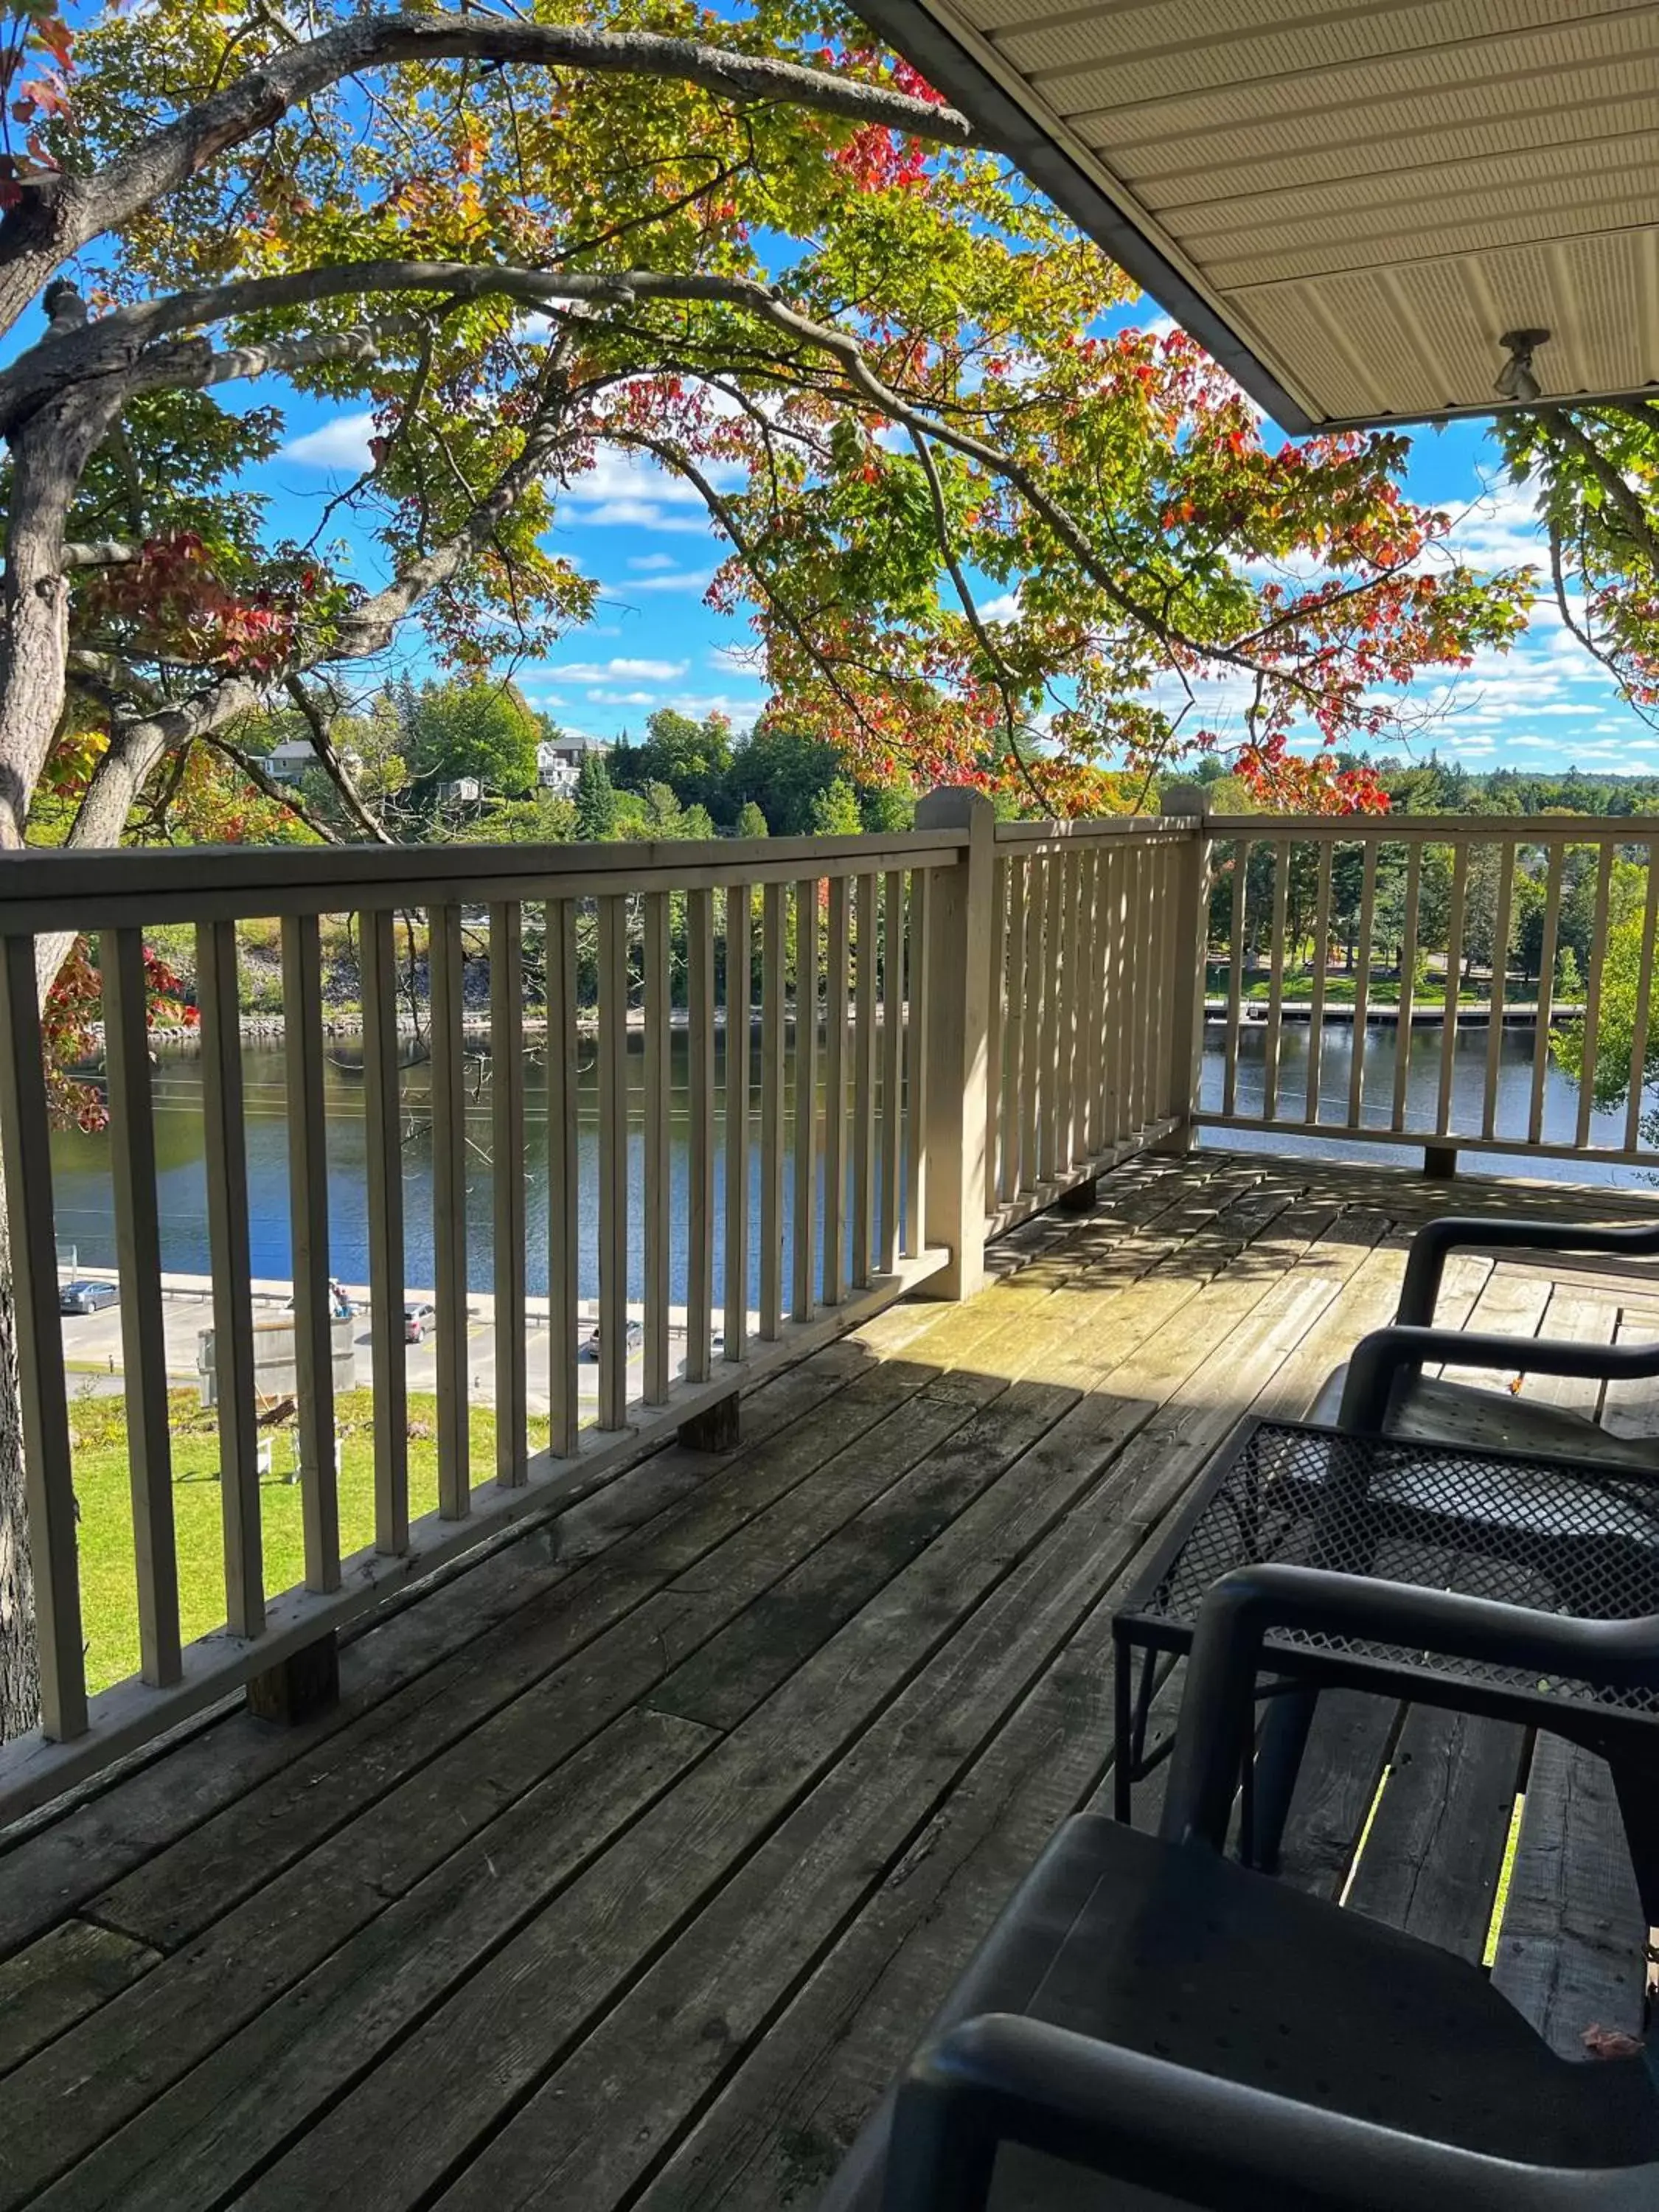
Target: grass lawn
(99, 1431)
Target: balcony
(636, 1804)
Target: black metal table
(1551, 1534)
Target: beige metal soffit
(1349, 203)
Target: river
(82, 1177)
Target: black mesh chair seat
(1193, 1959)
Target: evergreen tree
(596, 801)
(751, 822)
(835, 811)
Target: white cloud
(1002, 609)
(631, 490)
(619, 669)
(624, 698)
(672, 580)
(1501, 529)
(643, 563)
(342, 444)
(743, 658)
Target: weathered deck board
(628, 1871)
(1568, 1954)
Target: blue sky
(644, 537)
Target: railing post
(957, 1043)
(1192, 923)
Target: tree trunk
(49, 452)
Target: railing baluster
(218, 998)
(1555, 870)
(1639, 1028)
(1044, 981)
(1362, 987)
(804, 1240)
(1066, 1146)
(308, 1197)
(699, 1135)
(143, 1330)
(1015, 1171)
(1031, 1085)
(1500, 961)
(1454, 976)
(835, 1094)
(613, 1163)
(1402, 1032)
(918, 964)
(507, 1180)
(772, 1109)
(449, 1070)
(658, 1008)
(892, 1064)
(1236, 976)
(1321, 961)
(864, 1086)
(740, 964)
(383, 1161)
(562, 1196)
(48, 1473)
(1087, 1049)
(1161, 1072)
(993, 1122)
(1276, 982)
(1593, 993)
(1137, 896)
(1115, 1040)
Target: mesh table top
(1545, 1534)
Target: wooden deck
(635, 1857)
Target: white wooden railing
(1481, 861)
(927, 1038)
(1096, 971)
(847, 1031)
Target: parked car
(632, 1336)
(87, 1297)
(419, 1323)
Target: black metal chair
(1151, 2023)
(1383, 1391)
(1382, 1388)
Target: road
(92, 1349)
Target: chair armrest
(1218, 1704)
(1436, 1240)
(1203, 2142)
(1381, 1358)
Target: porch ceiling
(1349, 202)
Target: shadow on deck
(636, 1856)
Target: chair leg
(1283, 1740)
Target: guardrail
(1453, 885)
(850, 952)
(895, 1049)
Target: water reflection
(81, 1163)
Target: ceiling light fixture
(1516, 379)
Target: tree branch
(671, 458)
(60, 216)
(332, 766)
(1643, 532)
(260, 776)
(999, 665)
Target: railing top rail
(1442, 829)
(43, 890)
(1104, 825)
